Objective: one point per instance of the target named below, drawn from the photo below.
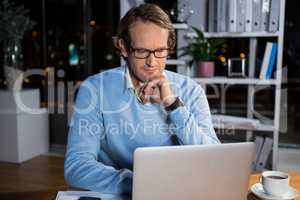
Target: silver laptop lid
(193, 172)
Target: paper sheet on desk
(74, 195)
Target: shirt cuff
(179, 116)
(127, 182)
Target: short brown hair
(147, 13)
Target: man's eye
(160, 50)
(142, 51)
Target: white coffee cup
(275, 183)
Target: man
(136, 105)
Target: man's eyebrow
(159, 48)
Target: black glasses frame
(134, 50)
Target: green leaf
(201, 48)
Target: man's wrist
(176, 104)
(168, 101)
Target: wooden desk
(32, 195)
(50, 195)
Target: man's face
(147, 35)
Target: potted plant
(203, 52)
(14, 23)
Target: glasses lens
(161, 53)
(145, 53)
(141, 53)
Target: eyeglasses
(145, 53)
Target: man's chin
(150, 77)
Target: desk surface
(50, 195)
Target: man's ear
(122, 47)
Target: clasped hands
(157, 91)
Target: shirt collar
(129, 83)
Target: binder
(264, 154)
(259, 141)
(211, 15)
(248, 14)
(272, 61)
(256, 15)
(265, 10)
(274, 15)
(266, 59)
(221, 15)
(241, 15)
(232, 15)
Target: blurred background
(72, 39)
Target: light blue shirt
(109, 123)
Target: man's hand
(157, 91)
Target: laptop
(193, 172)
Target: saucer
(258, 190)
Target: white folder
(211, 15)
(221, 15)
(259, 141)
(248, 18)
(264, 154)
(265, 14)
(274, 15)
(256, 15)
(232, 16)
(241, 15)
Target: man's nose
(151, 60)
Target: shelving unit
(175, 62)
(251, 81)
(240, 81)
(236, 35)
(180, 26)
(260, 127)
